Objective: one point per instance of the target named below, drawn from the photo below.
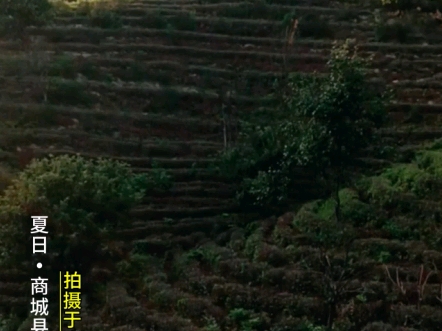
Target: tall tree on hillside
(337, 117)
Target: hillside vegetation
(215, 118)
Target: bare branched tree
(416, 290)
(337, 284)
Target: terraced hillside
(148, 84)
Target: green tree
(338, 117)
(84, 200)
(323, 124)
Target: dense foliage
(16, 15)
(323, 124)
(83, 199)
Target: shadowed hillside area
(222, 165)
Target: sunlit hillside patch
(86, 6)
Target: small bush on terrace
(245, 320)
(396, 31)
(105, 19)
(6, 177)
(68, 92)
(321, 227)
(257, 9)
(409, 195)
(10, 322)
(323, 124)
(421, 179)
(16, 15)
(84, 201)
(314, 26)
(408, 5)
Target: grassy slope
(146, 93)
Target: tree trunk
(337, 198)
(331, 315)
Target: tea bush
(245, 320)
(396, 31)
(379, 191)
(17, 15)
(105, 19)
(409, 195)
(409, 178)
(133, 267)
(421, 179)
(71, 93)
(9, 323)
(410, 5)
(430, 161)
(353, 210)
(6, 177)
(321, 228)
